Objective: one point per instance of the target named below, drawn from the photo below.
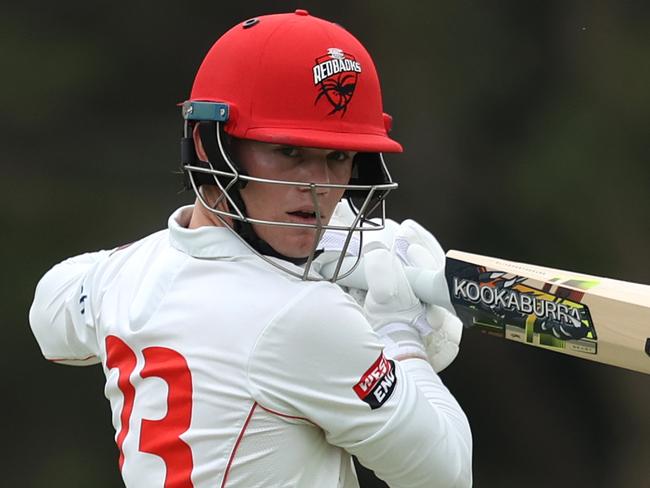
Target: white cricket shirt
(223, 371)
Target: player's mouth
(304, 217)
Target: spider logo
(336, 75)
(338, 91)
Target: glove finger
(386, 236)
(442, 344)
(435, 316)
(425, 237)
(443, 357)
(342, 215)
(454, 328)
(378, 270)
(387, 283)
(444, 323)
(420, 257)
(414, 233)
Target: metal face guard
(229, 178)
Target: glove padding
(441, 330)
(333, 240)
(390, 305)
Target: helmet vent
(250, 23)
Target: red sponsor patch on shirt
(377, 383)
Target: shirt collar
(203, 242)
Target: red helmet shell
(298, 80)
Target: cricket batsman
(232, 359)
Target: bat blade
(590, 317)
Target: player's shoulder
(310, 297)
(315, 311)
(320, 334)
(133, 257)
(155, 239)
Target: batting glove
(441, 330)
(390, 305)
(333, 241)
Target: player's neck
(202, 217)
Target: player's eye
(339, 156)
(289, 151)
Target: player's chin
(294, 243)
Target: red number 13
(159, 437)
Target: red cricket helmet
(298, 80)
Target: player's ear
(198, 145)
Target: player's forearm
(57, 312)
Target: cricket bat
(590, 317)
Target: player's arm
(61, 315)
(320, 359)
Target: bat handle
(430, 286)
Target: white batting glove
(343, 216)
(442, 330)
(390, 305)
(416, 247)
(372, 240)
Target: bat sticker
(502, 303)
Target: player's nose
(318, 171)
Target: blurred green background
(526, 128)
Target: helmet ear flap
(368, 169)
(213, 139)
(208, 136)
(189, 158)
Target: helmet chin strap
(247, 232)
(207, 132)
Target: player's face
(283, 203)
